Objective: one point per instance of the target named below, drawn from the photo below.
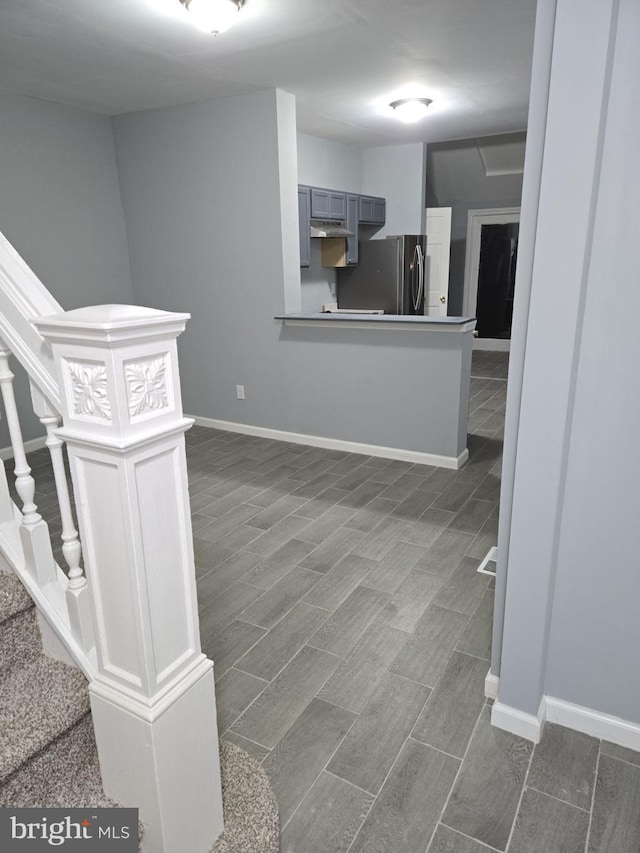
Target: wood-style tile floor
(350, 631)
(351, 636)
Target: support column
(153, 700)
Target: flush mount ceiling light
(213, 16)
(410, 110)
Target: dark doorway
(496, 279)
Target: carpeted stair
(40, 699)
(48, 754)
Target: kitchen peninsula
(384, 384)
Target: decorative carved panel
(146, 386)
(89, 389)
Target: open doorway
(490, 269)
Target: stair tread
(14, 598)
(19, 641)
(38, 702)
(65, 774)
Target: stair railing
(62, 597)
(108, 389)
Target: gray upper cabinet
(327, 204)
(372, 210)
(352, 225)
(304, 211)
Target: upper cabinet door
(304, 205)
(327, 204)
(372, 211)
(352, 225)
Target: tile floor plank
(485, 797)
(394, 568)
(235, 691)
(615, 826)
(300, 756)
(372, 514)
(357, 677)
(327, 819)
(382, 538)
(286, 697)
(226, 646)
(282, 642)
(463, 591)
(341, 632)
(336, 546)
(445, 554)
(411, 600)
(476, 639)
(564, 765)
(544, 824)
(620, 752)
(447, 840)
(450, 715)
(276, 602)
(407, 808)
(373, 743)
(426, 652)
(338, 584)
(269, 571)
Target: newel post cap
(117, 367)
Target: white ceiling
(344, 61)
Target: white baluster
(71, 548)
(34, 531)
(77, 595)
(25, 484)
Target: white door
(438, 231)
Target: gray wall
(202, 192)
(456, 178)
(397, 173)
(60, 207)
(337, 166)
(571, 612)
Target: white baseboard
(492, 344)
(29, 446)
(491, 683)
(338, 444)
(552, 710)
(528, 726)
(594, 723)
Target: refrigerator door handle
(419, 263)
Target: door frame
(475, 220)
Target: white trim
(492, 344)
(491, 555)
(491, 684)
(577, 717)
(475, 220)
(594, 723)
(528, 726)
(29, 447)
(416, 456)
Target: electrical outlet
(240, 392)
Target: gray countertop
(396, 321)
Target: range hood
(328, 228)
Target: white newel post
(153, 700)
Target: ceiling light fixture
(411, 110)
(213, 16)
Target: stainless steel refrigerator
(390, 275)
